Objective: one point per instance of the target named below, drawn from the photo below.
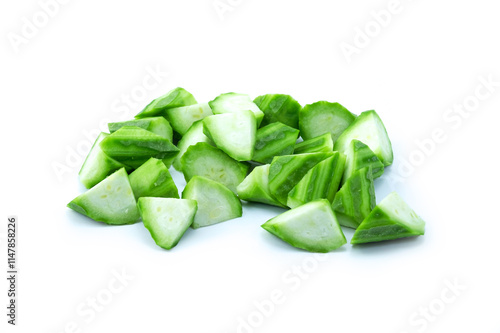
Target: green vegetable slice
(111, 201)
(360, 156)
(157, 125)
(193, 136)
(204, 160)
(275, 139)
(320, 182)
(216, 203)
(167, 219)
(322, 143)
(152, 179)
(255, 187)
(133, 146)
(279, 107)
(286, 171)
(312, 227)
(356, 199)
(234, 103)
(184, 117)
(324, 117)
(390, 219)
(173, 99)
(98, 165)
(233, 133)
(369, 129)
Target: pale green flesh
(193, 136)
(111, 201)
(157, 125)
(322, 143)
(323, 117)
(233, 103)
(255, 187)
(167, 219)
(98, 165)
(233, 133)
(204, 160)
(312, 227)
(216, 203)
(369, 129)
(173, 99)
(391, 219)
(184, 117)
(152, 179)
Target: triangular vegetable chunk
(204, 160)
(157, 125)
(233, 133)
(184, 117)
(360, 156)
(369, 129)
(286, 171)
(133, 146)
(111, 201)
(321, 182)
(390, 219)
(324, 117)
(173, 99)
(152, 179)
(356, 199)
(255, 187)
(234, 103)
(322, 143)
(167, 219)
(216, 203)
(193, 136)
(98, 165)
(275, 139)
(312, 227)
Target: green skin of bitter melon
(322, 143)
(321, 182)
(152, 179)
(157, 125)
(279, 108)
(275, 139)
(286, 171)
(391, 219)
(133, 146)
(356, 199)
(173, 99)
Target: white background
(72, 74)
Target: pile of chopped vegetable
(319, 161)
